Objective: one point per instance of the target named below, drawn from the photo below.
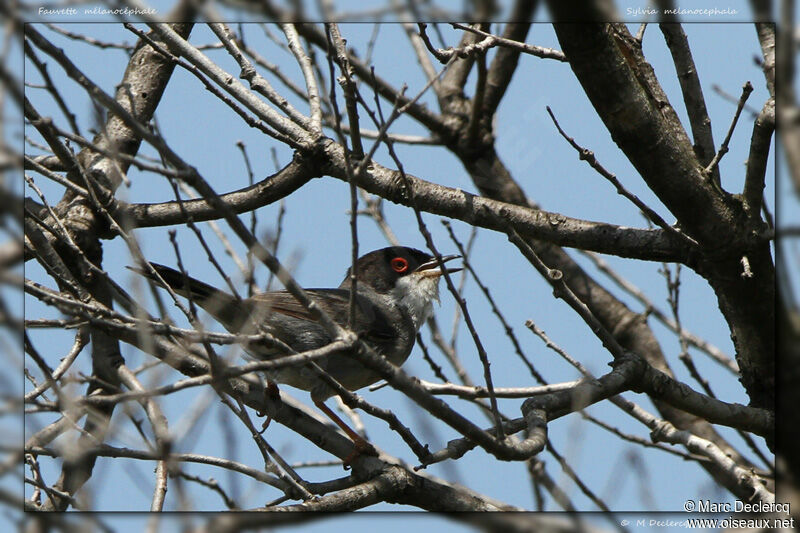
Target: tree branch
(692, 91)
(760, 145)
(498, 216)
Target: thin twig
(509, 331)
(429, 242)
(747, 88)
(650, 309)
(493, 40)
(588, 156)
(308, 75)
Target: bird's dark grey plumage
(395, 290)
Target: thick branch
(692, 94)
(623, 91)
(505, 61)
(269, 190)
(760, 144)
(558, 229)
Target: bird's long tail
(219, 304)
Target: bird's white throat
(416, 293)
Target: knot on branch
(660, 431)
(247, 72)
(554, 274)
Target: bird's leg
(361, 446)
(271, 393)
(272, 390)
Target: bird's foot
(271, 394)
(272, 391)
(360, 447)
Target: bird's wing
(335, 303)
(235, 314)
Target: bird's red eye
(399, 264)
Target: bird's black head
(382, 268)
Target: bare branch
(692, 93)
(760, 144)
(747, 88)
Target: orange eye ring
(399, 265)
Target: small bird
(395, 290)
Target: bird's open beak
(433, 268)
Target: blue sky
(316, 234)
